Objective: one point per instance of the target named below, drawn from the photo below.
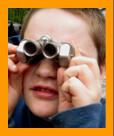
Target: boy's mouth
(44, 92)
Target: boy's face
(40, 80)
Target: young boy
(54, 96)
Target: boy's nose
(46, 69)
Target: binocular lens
(30, 48)
(50, 50)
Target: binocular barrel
(29, 50)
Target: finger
(11, 48)
(11, 66)
(60, 79)
(91, 62)
(80, 95)
(60, 76)
(64, 99)
(82, 72)
(13, 57)
(74, 86)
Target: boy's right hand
(79, 85)
(15, 75)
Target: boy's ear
(102, 72)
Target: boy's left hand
(79, 84)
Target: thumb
(60, 80)
(63, 102)
(60, 76)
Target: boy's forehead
(57, 23)
(62, 27)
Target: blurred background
(15, 18)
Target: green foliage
(17, 14)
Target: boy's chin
(44, 112)
(44, 109)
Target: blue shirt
(91, 116)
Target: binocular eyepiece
(29, 50)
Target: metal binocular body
(30, 51)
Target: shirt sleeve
(84, 117)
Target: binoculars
(30, 51)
